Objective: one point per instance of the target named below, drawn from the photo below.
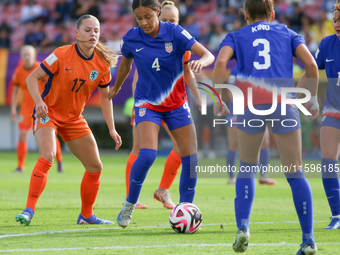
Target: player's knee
(97, 167)
(48, 156)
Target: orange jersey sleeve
(186, 57)
(72, 79)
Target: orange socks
(21, 152)
(88, 191)
(132, 158)
(171, 168)
(38, 182)
(59, 156)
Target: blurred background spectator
(50, 23)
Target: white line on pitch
(143, 227)
(155, 246)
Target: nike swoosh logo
(136, 181)
(330, 197)
(68, 69)
(329, 60)
(137, 50)
(38, 176)
(191, 188)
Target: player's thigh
(249, 146)
(176, 149)
(86, 150)
(232, 138)
(46, 141)
(329, 142)
(147, 132)
(290, 149)
(186, 139)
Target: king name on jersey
(260, 27)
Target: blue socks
(264, 159)
(245, 192)
(303, 201)
(138, 173)
(330, 180)
(188, 180)
(231, 159)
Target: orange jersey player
(74, 71)
(27, 64)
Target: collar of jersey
(80, 55)
(162, 31)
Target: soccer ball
(185, 218)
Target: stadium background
(47, 24)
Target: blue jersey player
(158, 49)
(328, 58)
(264, 54)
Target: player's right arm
(123, 71)
(14, 102)
(33, 87)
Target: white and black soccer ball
(185, 218)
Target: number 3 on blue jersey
(263, 53)
(156, 65)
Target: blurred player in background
(169, 13)
(27, 64)
(264, 54)
(158, 49)
(74, 71)
(328, 58)
(233, 141)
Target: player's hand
(221, 109)
(113, 91)
(133, 115)
(196, 66)
(14, 115)
(313, 109)
(116, 137)
(41, 109)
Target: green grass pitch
(274, 223)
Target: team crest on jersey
(168, 47)
(44, 120)
(142, 111)
(93, 75)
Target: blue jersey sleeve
(229, 41)
(125, 49)
(183, 38)
(296, 40)
(320, 55)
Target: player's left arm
(189, 78)
(107, 109)
(206, 57)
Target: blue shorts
(330, 122)
(230, 117)
(280, 124)
(176, 118)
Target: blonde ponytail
(108, 55)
